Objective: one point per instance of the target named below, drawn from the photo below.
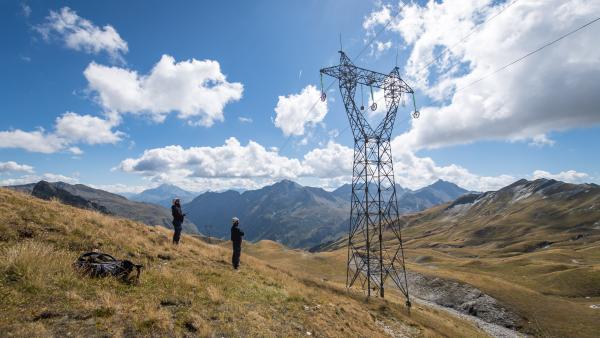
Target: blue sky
(269, 53)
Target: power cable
(530, 53)
(464, 38)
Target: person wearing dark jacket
(236, 238)
(178, 216)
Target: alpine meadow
(305, 168)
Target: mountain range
(85, 197)
(295, 215)
(287, 212)
(525, 216)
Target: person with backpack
(236, 238)
(178, 216)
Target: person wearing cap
(178, 216)
(236, 238)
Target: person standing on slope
(178, 216)
(236, 238)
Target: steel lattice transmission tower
(375, 251)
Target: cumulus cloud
(122, 188)
(195, 89)
(252, 165)
(234, 165)
(551, 91)
(297, 111)
(334, 160)
(570, 176)
(12, 166)
(88, 129)
(70, 129)
(231, 160)
(82, 35)
(37, 141)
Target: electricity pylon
(375, 251)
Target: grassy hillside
(85, 197)
(534, 246)
(188, 290)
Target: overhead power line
(464, 38)
(530, 53)
(384, 27)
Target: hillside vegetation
(533, 245)
(188, 290)
(82, 196)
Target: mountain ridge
(295, 215)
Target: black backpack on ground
(97, 264)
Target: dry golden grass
(189, 290)
(552, 288)
(552, 306)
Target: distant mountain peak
(167, 185)
(443, 183)
(287, 184)
(163, 195)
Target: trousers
(237, 251)
(177, 234)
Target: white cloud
(82, 35)
(25, 10)
(569, 176)
(332, 161)
(121, 188)
(249, 166)
(34, 141)
(36, 178)
(377, 18)
(297, 111)
(88, 129)
(415, 172)
(378, 47)
(231, 160)
(243, 119)
(196, 89)
(12, 166)
(541, 140)
(234, 165)
(70, 128)
(75, 151)
(381, 110)
(551, 91)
